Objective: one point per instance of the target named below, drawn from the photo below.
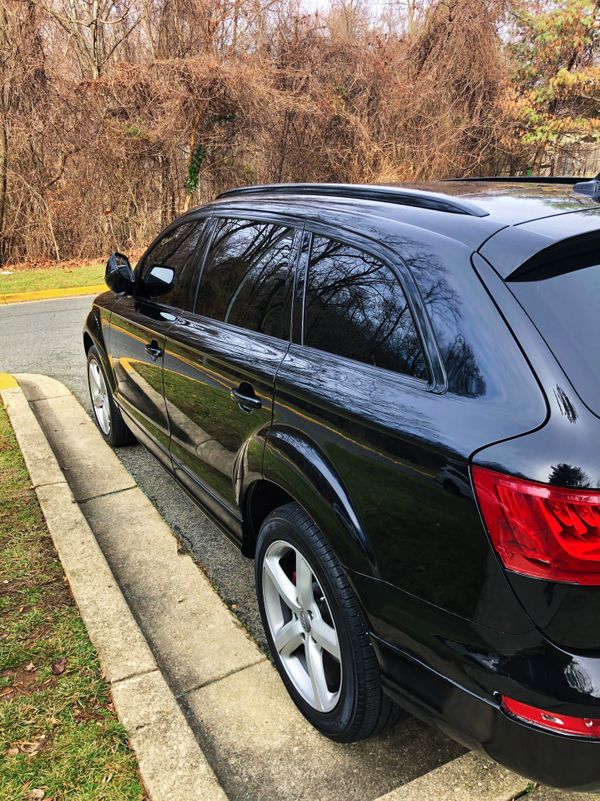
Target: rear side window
(565, 308)
(177, 249)
(356, 307)
(245, 276)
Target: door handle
(153, 350)
(246, 401)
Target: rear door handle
(246, 401)
(153, 350)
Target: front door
(222, 358)
(138, 330)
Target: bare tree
(95, 29)
(116, 115)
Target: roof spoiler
(573, 253)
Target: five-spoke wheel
(302, 625)
(99, 395)
(107, 414)
(316, 630)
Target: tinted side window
(355, 307)
(177, 250)
(244, 276)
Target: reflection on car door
(221, 360)
(137, 337)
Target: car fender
(298, 465)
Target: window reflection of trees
(245, 275)
(177, 250)
(444, 308)
(355, 307)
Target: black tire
(116, 433)
(362, 709)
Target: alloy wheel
(99, 395)
(301, 625)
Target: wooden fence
(574, 158)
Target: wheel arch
(296, 469)
(93, 335)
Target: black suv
(389, 397)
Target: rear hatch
(552, 266)
(562, 298)
(543, 511)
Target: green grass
(58, 733)
(51, 278)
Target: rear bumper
(479, 723)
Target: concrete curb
(143, 700)
(168, 643)
(46, 294)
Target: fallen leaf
(30, 748)
(12, 752)
(59, 666)
(30, 667)
(34, 745)
(36, 794)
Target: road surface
(45, 337)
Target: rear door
(350, 390)
(221, 359)
(137, 335)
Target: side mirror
(118, 275)
(158, 280)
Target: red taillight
(539, 530)
(567, 724)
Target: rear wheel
(107, 414)
(316, 630)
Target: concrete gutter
(206, 713)
(46, 294)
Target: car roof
(505, 215)
(516, 202)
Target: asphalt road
(45, 337)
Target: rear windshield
(566, 310)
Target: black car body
(398, 438)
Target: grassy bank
(60, 277)
(59, 736)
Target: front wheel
(107, 414)
(316, 630)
